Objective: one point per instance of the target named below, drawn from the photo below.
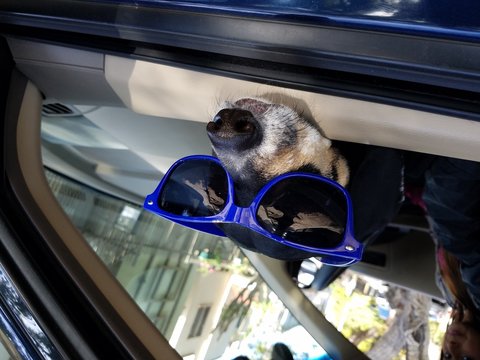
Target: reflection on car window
(198, 289)
(8, 350)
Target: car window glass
(199, 290)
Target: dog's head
(257, 140)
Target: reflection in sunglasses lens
(196, 188)
(305, 211)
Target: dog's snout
(229, 122)
(234, 128)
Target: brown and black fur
(257, 140)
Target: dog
(257, 140)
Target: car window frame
(80, 291)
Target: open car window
(200, 291)
(110, 126)
(101, 97)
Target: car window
(199, 290)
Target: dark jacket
(452, 199)
(376, 189)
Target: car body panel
(346, 43)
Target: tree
(408, 329)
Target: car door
(365, 73)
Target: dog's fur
(274, 139)
(256, 140)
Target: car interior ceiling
(131, 103)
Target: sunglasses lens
(304, 211)
(196, 188)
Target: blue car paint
(430, 18)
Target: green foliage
(238, 308)
(402, 355)
(261, 348)
(213, 262)
(358, 317)
(436, 333)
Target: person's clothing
(442, 267)
(452, 199)
(375, 187)
(376, 190)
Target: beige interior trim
(29, 156)
(155, 89)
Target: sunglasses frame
(348, 252)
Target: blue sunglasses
(304, 211)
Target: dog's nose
(231, 122)
(233, 128)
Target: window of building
(199, 321)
